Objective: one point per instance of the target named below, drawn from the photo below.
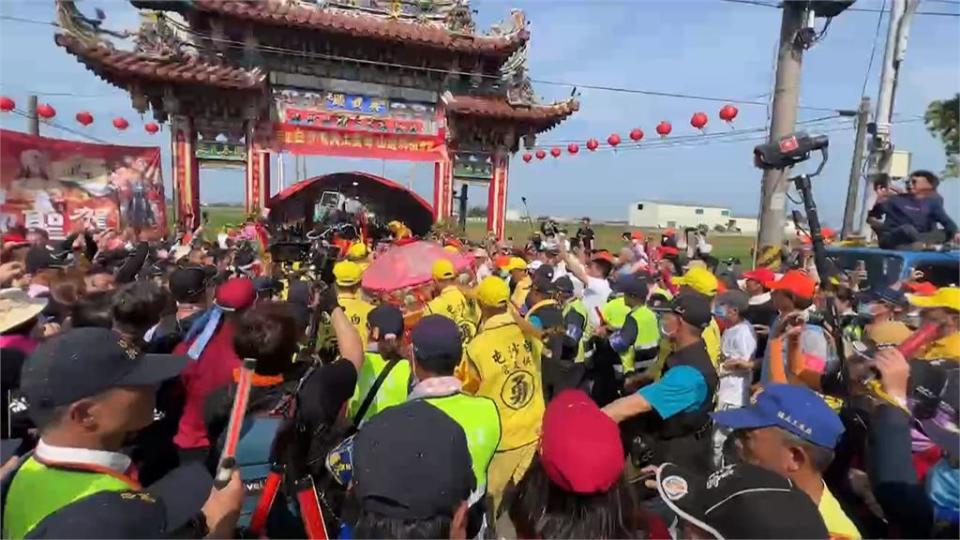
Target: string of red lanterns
(84, 118)
(698, 120)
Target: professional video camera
(549, 228)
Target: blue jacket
(906, 209)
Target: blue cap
(886, 294)
(436, 335)
(794, 408)
(633, 284)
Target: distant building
(654, 214)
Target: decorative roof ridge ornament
(86, 29)
(161, 37)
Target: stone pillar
(443, 189)
(257, 173)
(497, 194)
(186, 172)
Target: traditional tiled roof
(365, 25)
(498, 107)
(116, 66)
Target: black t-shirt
(323, 394)
(763, 313)
(585, 234)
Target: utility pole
(463, 208)
(33, 121)
(783, 119)
(881, 147)
(856, 166)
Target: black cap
(564, 284)
(186, 283)
(543, 285)
(158, 511)
(692, 307)
(436, 335)
(41, 257)
(411, 462)
(634, 285)
(725, 503)
(84, 362)
(544, 271)
(888, 295)
(388, 318)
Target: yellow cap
(493, 292)
(515, 263)
(451, 249)
(347, 273)
(357, 251)
(443, 269)
(698, 279)
(945, 297)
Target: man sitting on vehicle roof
(905, 219)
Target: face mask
(664, 331)
(865, 311)
(720, 312)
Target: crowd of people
(558, 390)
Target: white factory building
(659, 214)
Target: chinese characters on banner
(62, 186)
(358, 144)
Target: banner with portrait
(62, 186)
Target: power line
(873, 49)
(861, 10)
(57, 125)
(323, 56)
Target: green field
(608, 236)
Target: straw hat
(17, 307)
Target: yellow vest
(519, 296)
(452, 304)
(947, 348)
(711, 340)
(500, 364)
(38, 491)
(576, 305)
(481, 424)
(357, 310)
(392, 392)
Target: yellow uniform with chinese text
(500, 364)
(356, 310)
(452, 304)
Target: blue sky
(689, 46)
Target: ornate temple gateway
(386, 79)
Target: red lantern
(7, 104)
(152, 128)
(555, 152)
(527, 157)
(699, 120)
(573, 148)
(592, 145)
(541, 154)
(84, 118)
(728, 113)
(45, 111)
(613, 140)
(636, 134)
(664, 128)
(120, 123)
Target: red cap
(797, 282)
(580, 447)
(922, 288)
(636, 235)
(236, 294)
(602, 255)
(669, 232)
(762, 275)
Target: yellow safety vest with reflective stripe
(393, 391)
(452, 304)
(38, 491)
(615, 312)
(577, 305)
(481, 424)
(648, 335)
(356, 310)
(500, 364)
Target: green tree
(477, 211)
(943, 120)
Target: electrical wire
(859, 9)
(339, 58)
(56, 125)
(873, 49)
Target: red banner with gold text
(346, 143)
(61, 186)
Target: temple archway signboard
(388, 79)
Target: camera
(788, 150)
